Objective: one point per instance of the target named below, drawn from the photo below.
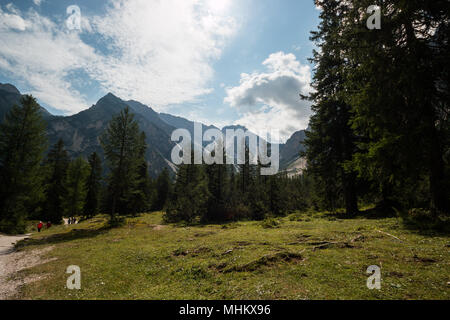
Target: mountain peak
(9, 88)
(235, 127)
(111, 96)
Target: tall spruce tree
(93, 185)
(246, 173)
(331, 142)
(75, 187)
(276, 194)
(22, 143)
(400, 91)
(218, 186)
(121, 143)
(56, 164)
(140, 201)
(257, 195)
(162, 186)
(189, 200)
(233, 192)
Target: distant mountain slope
(290, 151)
(182, 123)
(81, 132)
(9, 88)
(296, 167)
(9, 96)
(151, 116)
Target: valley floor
(303, 257)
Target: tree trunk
(439, 200)
(351, 199)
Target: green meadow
(302, 256)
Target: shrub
(116, 222)
(423, 219)
(13, 226)
(270, 223)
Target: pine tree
(277, 194)
(246, 171)
(75, 186)
(218, 186)
(56, 164)
(162, 186)
(400, 92)
(121, 143)
(140, 201)
(257, 195)
(189, 200)
(233, 193)
(331, 142)
(22, 143)
(93, 185)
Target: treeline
(380, 129)
(221, 192)
(52, 186)
(49, 187)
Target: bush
(296, 217)
(424, 220)
(259, 211)
(13, 226)
(239, 212)
(116, 222)
(270, 223)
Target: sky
(219, 62)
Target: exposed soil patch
(193, 253)
(327, 245)
(243, 243)
(266, 260)
(204, 234)
(358, 238)
(424, 259)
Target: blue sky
(216, 61)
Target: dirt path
(7, 244)
(12, 262)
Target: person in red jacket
(49, 224)
(39, 226)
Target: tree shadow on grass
(74, 234)
(430, 228)
(425, 226)
(373, 213)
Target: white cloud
(161, 50)
(156, 52)
(38, 2)
(270, 100)
(36, 51)
(12, 20)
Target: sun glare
(218, 6)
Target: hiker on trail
(39, 226)
(49, 224)
(74, 220)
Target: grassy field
(298, 257)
